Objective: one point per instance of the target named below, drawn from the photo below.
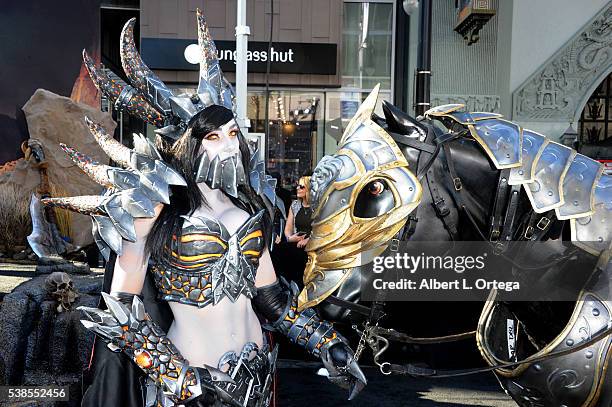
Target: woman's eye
(233, 133)
(212, 136)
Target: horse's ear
(401, 122)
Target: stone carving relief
(554, 92)
(473, 103)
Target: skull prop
(60, 286)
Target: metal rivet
(596, 312)
(569, 342)
(588, 354)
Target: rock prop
(41, 346)
(61, 288)
(54, 119)
(49, 265)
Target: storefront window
(295, 125)
(367, 45)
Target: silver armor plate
(545, 192)
(579, 187)
(594, 233)
(502, 141)
(533, 143)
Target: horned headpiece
(150, 99)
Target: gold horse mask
(361, 198)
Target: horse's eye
(374, 199)
(376, 188)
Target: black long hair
(183, 156)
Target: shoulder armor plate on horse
(593, 233)
(533, 144)
(502, 141)
(546, 190)
(579, 188)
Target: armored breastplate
(205, 263)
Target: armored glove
(278, 304)
(132, 332)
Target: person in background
(298, 227)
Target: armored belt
(252, 371)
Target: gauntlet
(278, 303)
(131, 331)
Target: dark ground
(300, 386)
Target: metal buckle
(394, 245)
(441, 209)
(457, 184)
(529, 232)
(543, 223)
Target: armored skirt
(112, 379)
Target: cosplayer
(188, 222)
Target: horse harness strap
(501, 199)
(417, 371)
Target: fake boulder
(54, 119)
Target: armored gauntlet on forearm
(132, 332)
(278, 304)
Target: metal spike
(137, 203)
(86, 204)
(122, 220)
(111, 147)
(155, 188)
(108, 233)
(125, 96)
(139, 74)
(116, 308)
(138, 309)
(169, 175)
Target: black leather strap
(271, 301)
(499, 206)
(413, 142)
(511, 210)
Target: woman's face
(301, 189)
(222, 142)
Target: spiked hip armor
(132, 332)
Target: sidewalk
(300, 386)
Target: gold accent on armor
(251, 253)
(342, 240)
(250, 236)
(201, 237)
(196, 258)
(451, 108)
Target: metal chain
(362, 340)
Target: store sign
(284, 57)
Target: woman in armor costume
(187, 222)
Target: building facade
(544, 64)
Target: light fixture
(192, 54)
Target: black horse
(471, 190)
